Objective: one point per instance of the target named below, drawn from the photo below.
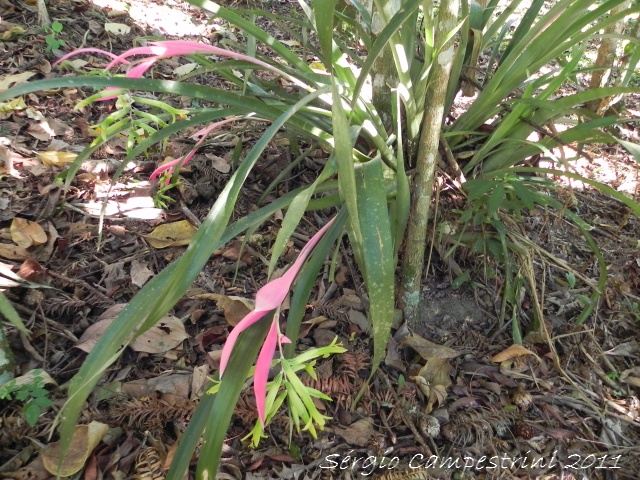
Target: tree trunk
(383, 74)
(413, 262)
(606, 57)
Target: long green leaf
(164, 290)
(307, 278)
(344, 159)
(225, 401)
(295, 212)
(377, 249)
(8, 312)
(323, 13)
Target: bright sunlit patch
(168, 19)
(135, 207)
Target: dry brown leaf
(117, 28)
(167, 334)
(437, 371)
(358, 433)
(84, 439)
(13, 252)
(33, 471)
(140, 273)
(26, 233)
(631, 376)
(627, 349)
(219, 163)
(174, 234)
(12, 80)
(56, 159)
(234, 308)
(513, 351)
(427, 349)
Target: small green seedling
(30, 390)
(571, 279)
(52, 40)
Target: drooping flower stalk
(268, 298)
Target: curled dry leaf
(56, 159)
(167, 334)
(427, 349)
(234, 308)
(11, 80)
(13, 252)
(358, 433)
(140, 273)
(513, 351)
(174, 234)
(117, 28)
(26, 233)
(85, 438)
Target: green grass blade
(8, 312)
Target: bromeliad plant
(370, 138)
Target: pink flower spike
(163, 168)
(242, 325)
(269, 297)
(87, 50)
(263, 365)
(141, 68)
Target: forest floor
(566, 406)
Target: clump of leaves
(31, 390)
(52, 40)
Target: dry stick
(413, 262)
(527, 264)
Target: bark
(383, 74)
(413, 261)
(606, 56)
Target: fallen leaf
(360, 319)
(140, 273)
(234, 308)
(26, 233)
(174, 234)
(56, 159)
(13, 252)
(512, 352)
(358, 433)
(437, 371)
(30, 378)
(84, 439)
(427, 349)
(117, 28)
(219, 163)
(11, 80)
(184, 69)
(627, 349)
(41, 130)
(167, 334)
